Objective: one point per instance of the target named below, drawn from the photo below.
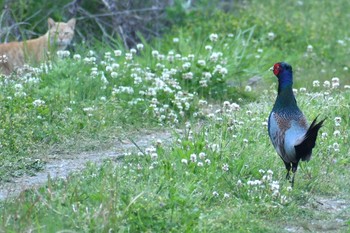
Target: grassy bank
(221, 172)
(221, 175)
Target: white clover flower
(87, 60)
(139, 46)
(18, 87)
(176, 40)
(201, 62)
(193, 158)
(341, 42)
(275, 193)
(108, 55)
(88, 109)
(289, 188)
(270, 172)
(235, 107)
(337, 121)
(223, 71)
(215, 147)
(38, 103)
(284, 199)
(203, 83)
(316, 83)
(202, 102)
(184, 161)
(309, 48)
(213, 37)
(117, 53)
(155, 53)
(202, 155)
(336, 133)
(186, 65)
(91, 53)
(226, 104)
(94, 71)
(154, 156)
(207, 75)
(159, 142)
(260, 50)
(226, 195)
(68, 109)
(335, 82)
(63, 53)
(335, 79)
(76, 57)
(245, 140)
(178, 56)
(324, 135)
(215, 194)
(336, 146)
(302, 89)
(191, 56)
(128, 56)
(225, 167)
(239, 183)
(188, 75)
(274, 185)
(215, 56)
(326, 84)
(208, 47)
(114, 74)
(271, 36)
(207, 161)
(132, 51)
(261, 171)
(254, 182)
(200, 164)
(170, 58)
(248, 88)
(109, 69)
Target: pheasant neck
(285, 97)
(285, 81)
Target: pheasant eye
(276, 68)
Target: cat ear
(51, 22)
(71, 23)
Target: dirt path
(62, 167)
(331, 216)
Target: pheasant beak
(271, 68)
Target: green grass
(181, 85)
(160, 191)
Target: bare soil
(62, 166)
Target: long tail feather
(304, 148)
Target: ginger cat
(14, 55)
